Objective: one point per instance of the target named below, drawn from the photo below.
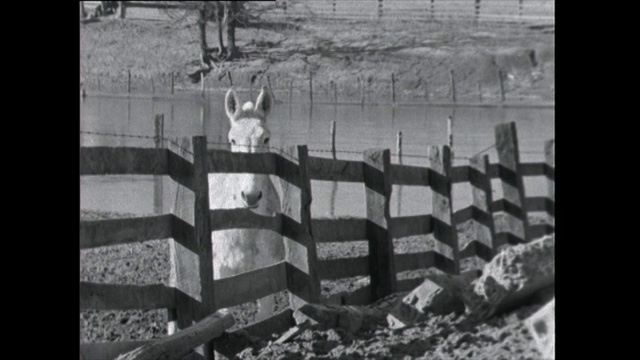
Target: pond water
(358, 128)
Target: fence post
(122, 10)
(426, 91)
(157, 179)
(311, 88)
(483, 227)
(453, 86)
(361, 82)
(128, 81)
(549, 156)
(377, 181)
(480, 92)
(450, 131)
(501, 79)
(300, 247)
(335, 93)
(333, 139)
(153, 86)
(290, 91)
(172, 82)
(202, 84)
(511, 178)
(393, 89)
(399, 147)
(444, 228)
(191, 251)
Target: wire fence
(224, 145)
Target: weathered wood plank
(300, 248)
(108, 350)
(338, 230)
(410, 225)
(181, 343)
(377, 180)
(550, 160)
(249, 286)
(335, 170)
(102, 160)
(414, 261)
(343, 267)
(460, 174)
(223, 161)
(509, 158)
(202, 229)
(409, 175)
(97, 233)
(540, 230)
(274, 324)
(442, 213)
(482, 194)
(223, 219)
(540, 203)
(124, 297)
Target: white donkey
(240, 250)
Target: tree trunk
(219, 14)
(231, 11)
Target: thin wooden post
(202, 84)
(453, 86)
(153, 86)
(128, 81)
(361, 81)
(393, 89)
(444, 228)
(333, 139)
(550, 159)
(377, 181)
(290, 91)
(512, 181)
(480, 92)
(450, 131)
(484, 228)
(335, 93)
(501, 79)
(172, 82)
(157, 179)
(122, 10)
(191, 249)
(426, 92)
(311, 88)
(399, 149)
(300, 247)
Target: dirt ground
(502, 337)
(420, 54)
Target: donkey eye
(266, 141)
(233, 142)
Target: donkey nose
(251, 199)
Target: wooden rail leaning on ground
(193, 295)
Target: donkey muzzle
(251, 199)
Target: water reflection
(358, 128)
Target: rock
(349, 318)
(439, 294)
(542, 325)
(511, 277)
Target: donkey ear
(264, 104)
(231, 104)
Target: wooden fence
(193, 294)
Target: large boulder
(542, 325)
(511, 278)
(438, 294)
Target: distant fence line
(194, 294)
(449, 89)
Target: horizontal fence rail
(194, 294)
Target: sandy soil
(419, 53)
